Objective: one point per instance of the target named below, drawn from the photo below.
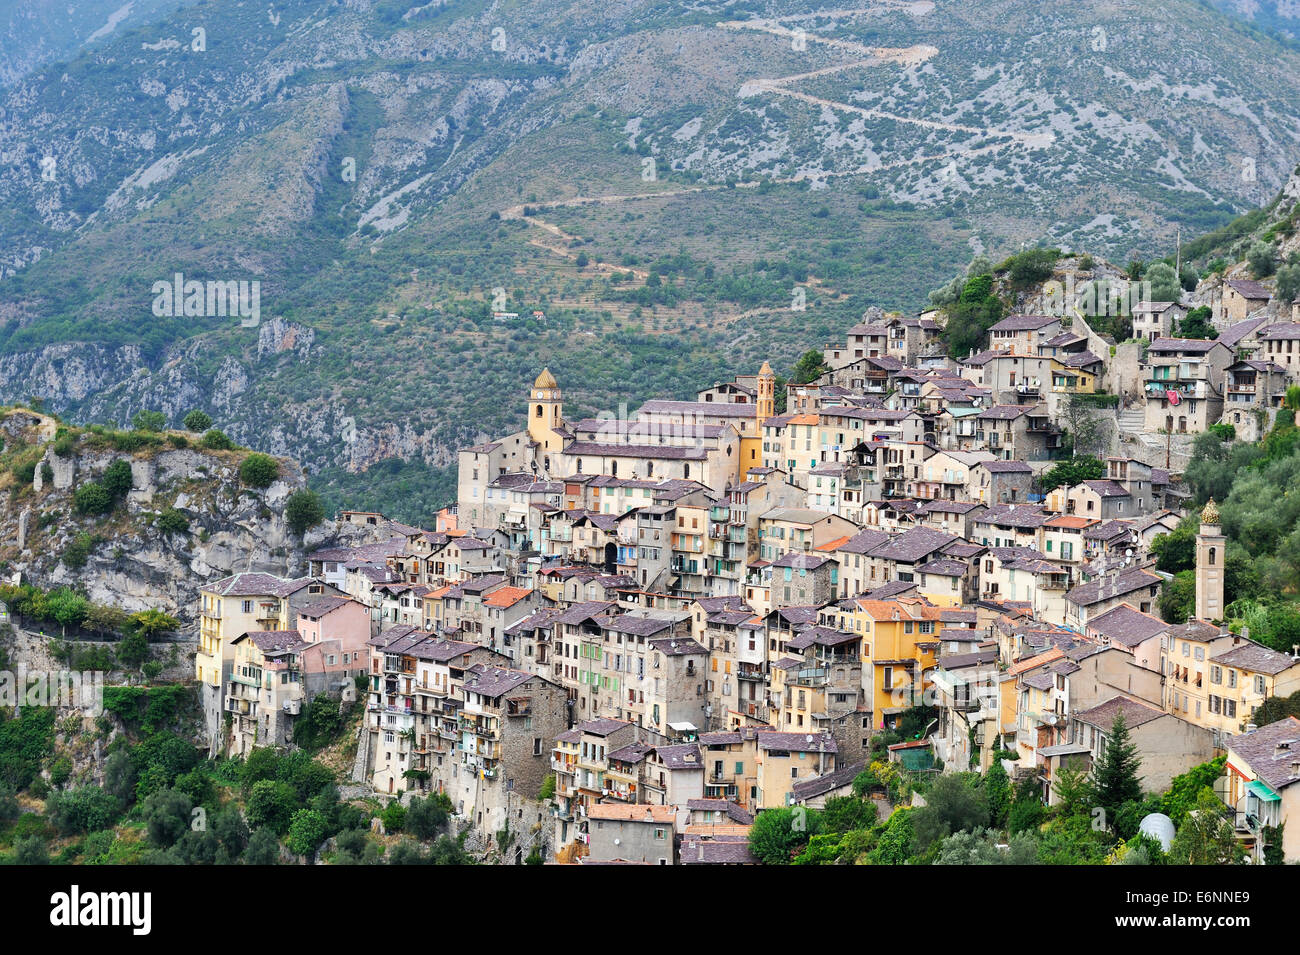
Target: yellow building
(900, 640)
(784, 759)
(235, 605)
(1217, 680)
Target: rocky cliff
(130, 560)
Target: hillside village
(638, 633)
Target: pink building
(334, 631)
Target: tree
(997, 788)
(271, 804)
(303, 511)
(1115, 777)
(81, 810)
(167, 817)
(197, 421)
(1288, 283)
(1178, 597)
(1176, 550)
(955, 803)
(215, 440)
(133, 650)
(30, 850)
(172, 521)
(778, 834)
(1206, 837)
(149, 421)
(67, 608)
(1076, 470)
(263, 848)
(259, 470)
(810, 366)
(307, 831)
(1165, 286)
(1186, 788)
(1262, 259)
(152, 622)
(1197, 324)
(394, 817)
(1072, 789)
(1088, 429)
(426, 817)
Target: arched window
(539, 411)
(1212, 550)
(579, 465)
(686, 470)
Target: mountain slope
(663, 183)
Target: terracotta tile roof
(506, 597)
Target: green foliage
(970, 317)
(166, 816)
(810, 366)
(842, 814)
(197, 421)
(779, 834)
(149, 709)
(1030, 267)
(81, 810)
(303, 510)
(981, 847)
(259, 470)
(955, 803)
(263, 848)
(997, 790)
(425, 818)
(77, 551)
(172, 521)
(133, 650)
(1165, 286)
(149, 421)
(92, 498)
(117, 479)
(1115, 779)
(1205, 837)
(26, 739)
(318, 724)
(895, 844)
(271, 804)
(1262, 259)
(307, 831)
(1027, 810)
(1178, 597)
(1197, 324)
(153, 622)
(1176, 550)
(393, 816)
(1185, 789)
(214, 440)
(547, 790)
(1073, 471)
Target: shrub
(394, 817)
(259, 470)
(84, 809)
(197, 421)
(172, 521)
(92, 498)
(215, 440)
(117, 480)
